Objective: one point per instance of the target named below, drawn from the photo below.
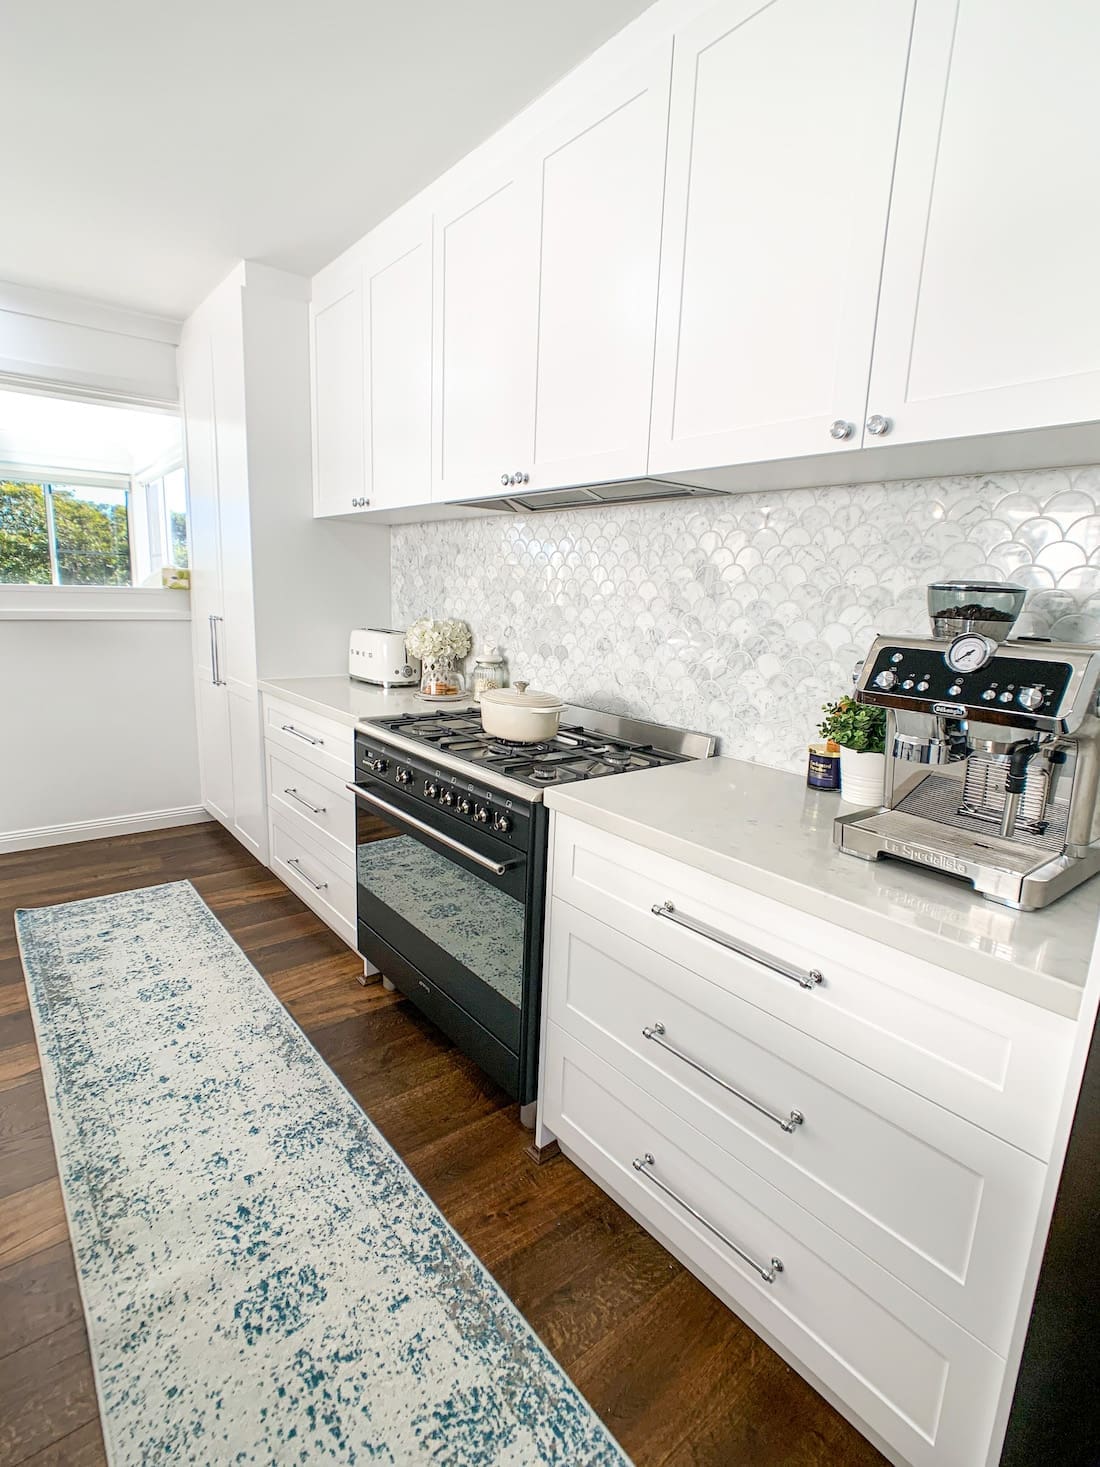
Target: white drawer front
(321, 880)
(328, 746)
(898, 1366)
(992, 1058)
(320, 799)
(945, 1206)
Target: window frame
(87, 603)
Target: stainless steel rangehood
(621, 491)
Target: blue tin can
(823, 769)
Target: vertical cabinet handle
(215, 659)
(645, 1164)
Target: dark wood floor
(677, 1378)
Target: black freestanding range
(451, 863)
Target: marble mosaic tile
(741, 616)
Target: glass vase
(440, 677)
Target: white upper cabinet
(782, 132)
(990, 312)
(336, 351)
(486, 316)
(397, 365)
(601, 183)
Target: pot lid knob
(521, 688)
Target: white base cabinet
(880, 1127)
(310, 760)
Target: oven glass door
(457, 917)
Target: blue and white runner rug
(263, 1280)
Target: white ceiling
(152, 145)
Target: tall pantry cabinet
(274, 592)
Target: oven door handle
(498, 868)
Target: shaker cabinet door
(397, 365)
(990, 313)
(486, 312)
(336, 352)
(782, 133)
(601, 184)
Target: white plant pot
(861, 777)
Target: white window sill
(93, 603)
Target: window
(116, 515)
(64, 535)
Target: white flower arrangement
(428, 639)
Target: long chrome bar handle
(644, 1163)
(804, 978)
(656, 1033)
(316, 885)
(215, 658)
(313, 809)
(298, 734)
(498, 868)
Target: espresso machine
(992, 751)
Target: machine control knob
(886, 678)
(1030, 698)
(502, 823)
(908, 683)
(431, 789)
(379, 765)
(463, 807)
(403, 775)
(447, 797)
(922, 687)
(481, 814)
(1005, 697)
(954, 690)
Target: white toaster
(377, 655)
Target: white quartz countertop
(765, 830)
(346, 701)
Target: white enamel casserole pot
(519, 715)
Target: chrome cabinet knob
(840, 430)
(878, 426)
(504, 479)
(521, 477)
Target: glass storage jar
(489, 672)
(440, 677)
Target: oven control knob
(481, 814)
(1030, 698)
(502, 823)
(447, 797)
(463, 807)
(379, 765)
(431, 789)
(886, 678)
(404, 776)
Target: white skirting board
(58, 835)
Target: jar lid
(518, 696)
(489, 654)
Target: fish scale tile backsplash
(741, 616)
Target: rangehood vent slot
(623, 491)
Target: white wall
(97, 717)
(97, 725)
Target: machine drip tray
(976, 845)
(937, 798)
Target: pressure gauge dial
(970, 652)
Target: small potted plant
(860, 730)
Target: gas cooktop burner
(511, 748)
(544, 773)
